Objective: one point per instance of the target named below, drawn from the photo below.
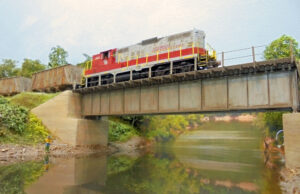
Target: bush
(35, 131)
(273, 121)
(120, 131)
(3, 100)
(13, 117)
(165, 128)
(17, 125)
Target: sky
(30, 28)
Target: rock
(4, 150)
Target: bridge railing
(245, 55)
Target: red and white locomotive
(153, 57)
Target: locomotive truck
(178, 53)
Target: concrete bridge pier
(291, 130)
(62, 116)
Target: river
(216, 158)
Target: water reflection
(70, 175)
(15, 178)
(200, 165)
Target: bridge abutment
(62, 116)
(291, 129)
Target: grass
(31, 100)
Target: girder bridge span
(256, 86)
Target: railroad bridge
(256, 86)
(253, 86)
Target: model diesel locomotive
(178, 53)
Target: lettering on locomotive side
(166, 47)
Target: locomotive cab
(104, 58)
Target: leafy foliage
(8, 68)
(135, 121)
(119, 131)
(280, 48)
(87, 58)
(31, 66)
(3, 100)
(57, 57)
(13, 117)
(167, 127)
(17, 125)
(269, 122)
(159, 128)
(35, 131)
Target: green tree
(31, 66)
(280, 48)
(87, 58)
(57, 57)
(8, 68)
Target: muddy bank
(290, 180)
(134, 144)
(10, 153)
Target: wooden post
(171, 67)
(222, 59)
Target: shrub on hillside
(120, 131)
(17, 125)
(13, 117)
(3, 100)
(35, 131)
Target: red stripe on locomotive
(101, 63)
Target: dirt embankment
(133, 145)
(10, 153)
(230, 118)
(290, 180)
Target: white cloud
(94, 25)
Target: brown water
(218, 158)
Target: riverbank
(290, 180)
(12, 153)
